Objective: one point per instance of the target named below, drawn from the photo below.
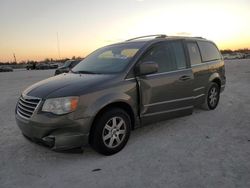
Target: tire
(111, 131)
(212, 97)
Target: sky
(39, 29)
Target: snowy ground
(206, 149)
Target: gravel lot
(206, 149)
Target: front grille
(27, 105)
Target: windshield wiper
(83, 72)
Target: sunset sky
(29, 28)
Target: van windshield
(108, 60)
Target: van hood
(66, 85)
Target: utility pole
(58, 46)
(14, 58)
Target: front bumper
(59, 133)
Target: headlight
(61, 105)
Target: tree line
(229, 51)
(46, 60)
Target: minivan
(120, 87)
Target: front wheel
(111, 131)
(212, 97)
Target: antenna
(58, 46)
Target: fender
(108, 99)
(214, 76)
(211, 78)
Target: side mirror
(67, 68)
(147, 67)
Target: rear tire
(111, 131)
(212, 97)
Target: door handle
(185, 77)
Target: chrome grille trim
(29, 102)
(27, 105)
(25, 109)
(23, 114)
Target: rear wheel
(212, 97)
(111, 131)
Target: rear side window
(194, 53)
(169, 56)
(209, 51)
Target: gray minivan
(120, 87)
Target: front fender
(105, 100)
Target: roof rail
(156, 36)
(199, 37)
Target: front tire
(111, 131)
(212, 97)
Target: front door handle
(185, 77)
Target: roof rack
(156, 36)
(199, 37)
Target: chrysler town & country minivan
(121, 87)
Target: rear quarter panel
(217, 70)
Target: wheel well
(217, 81)
(126, 107)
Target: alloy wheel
(114, 132)
(213, 97)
